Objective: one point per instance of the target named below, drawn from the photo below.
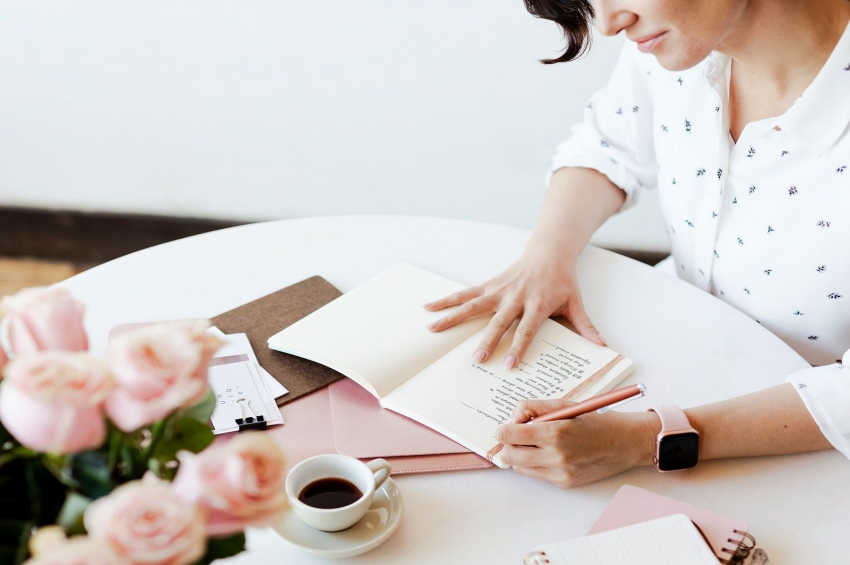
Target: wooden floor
(16, 274)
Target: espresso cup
(367, 477)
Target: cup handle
(381, 470)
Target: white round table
(688, 347)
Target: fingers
(518, 434)
(524, 456)
(545, 434)
(454, 299)
(525, 410)
(532, 319)
(501, 322)
(475, 307)
(579, 318)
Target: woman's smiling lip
(648, 43)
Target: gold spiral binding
(535, 558)
(742, 549)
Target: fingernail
(431, 326)
(479, 356)
(426, 305)
(510, 360)
(511, 420)
(602, 339)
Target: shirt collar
(820, 116)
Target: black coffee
(330, 493)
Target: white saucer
(373, 529)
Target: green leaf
(128, 458)
(188, 434)
(71, 515)
(92, 473)
(219, 548)
(202, 411)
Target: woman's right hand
(534, 288)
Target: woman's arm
(768, 422)
(589, 448)
(610, 154)
(542, 282)
(577, 203)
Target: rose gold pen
(602, 403)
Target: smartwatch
(677, 444)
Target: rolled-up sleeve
(826, 393)
(616, 136)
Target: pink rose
(240, 483)
(158, 369)
(51, 547)
(146, 523)
(43, 319)
(52, 401)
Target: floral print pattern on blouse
(764, 223)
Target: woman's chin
(677, 60)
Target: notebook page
(672, 540)
(467, 401)
(375, 334)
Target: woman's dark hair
(574, 17)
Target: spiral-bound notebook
(672, 540)
(728, 537)
(631, 520)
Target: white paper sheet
(239, 392)
(238, 344)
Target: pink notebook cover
(309, 431)
(363, 429)
(632, 505)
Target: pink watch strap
(673, 418)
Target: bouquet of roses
(109, 461)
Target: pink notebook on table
(363, 429)
(309, 431)
(633, 505)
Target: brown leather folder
(266, 316)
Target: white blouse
(764, 223)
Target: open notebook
(376, 336)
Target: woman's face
(680, 33)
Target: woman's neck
(782, 44)
(777, 48)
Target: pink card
(632, 505)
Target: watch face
(677, 452)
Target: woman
(738, 112)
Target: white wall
(262, 109)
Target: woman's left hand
(574, 452)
